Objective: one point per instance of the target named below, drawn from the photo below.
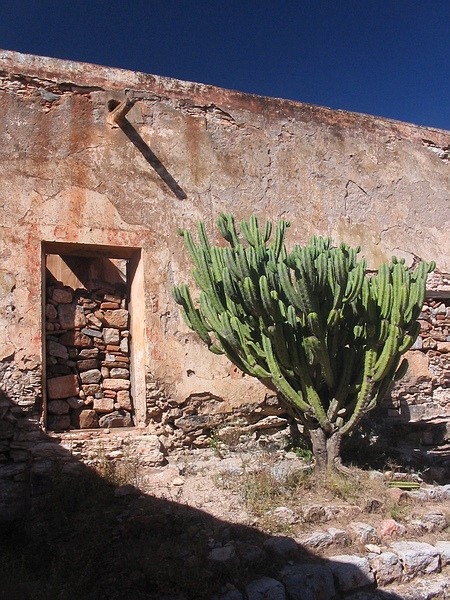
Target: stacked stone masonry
(88, 364)
(420, 402)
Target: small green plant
(215, 443)
(301, 449)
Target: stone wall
(87, 347)
(418, 406)
(73, 180)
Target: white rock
(284, 515)
(364, 533)
(317, 540)
(444, 550)
(91, 376)
(339, 536)
(387, 567)
(417, 557)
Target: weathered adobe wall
(67, 176)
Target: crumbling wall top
(137, 84)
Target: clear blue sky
(381, 57)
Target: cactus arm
(364, 394)
(280, 382)
(192, 316)
(388, 354)
(341, 394)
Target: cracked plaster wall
(67, 176)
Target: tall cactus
(310, 323)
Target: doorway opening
(93, 374)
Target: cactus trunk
(327, 450)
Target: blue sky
(383, 57)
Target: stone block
(116, 384)
(430, 522)
(123, 399)
(91, 376)
(224, 556)
(71, 316)
(103, 405)
(94, 333)
(57, 407)
(56, 349)
(124, 346)
(116, 419)
(364, 533)
(390, 528)
(444, 550)
(88, 353)
(58, 422)
(387, 567)
(75, 402)
(119, 373)
(112, 298)
(111, 336)
(51, 312)
(62, 387)
(318, 540)
(88, 419)
(112, 348)
(339, 536)
(308, 582)
(87, 364)
(351, 572)
(91, 389)
(93, 321)
(110, 305)
(116, 318)
(62, 295)
(76, 339)
(265, 588)
(283, 514)
(417, 557)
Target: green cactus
(310, 323)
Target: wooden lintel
(116, 117)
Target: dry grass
(263, 490)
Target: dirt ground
(123, 531)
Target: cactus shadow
(401, 445)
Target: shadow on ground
(68, 533)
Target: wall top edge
(87, 75)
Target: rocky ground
(218, 525)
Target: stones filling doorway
(87, 343)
